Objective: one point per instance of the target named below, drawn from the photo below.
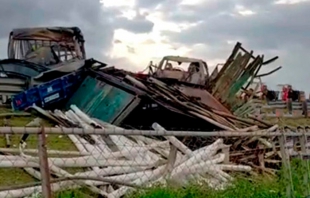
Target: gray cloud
(274, 30)
(151, 4)
(266, 29)
(96, 22)
(139, 24)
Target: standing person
(304, 106)
(248, 94)
(289, 99)
(264, 92)
(284, 93)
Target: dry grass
(293, 122)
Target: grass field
(244, 187)
(14, 176)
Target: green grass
(292, 122)
(15, 176)
(246, 187)
(242, 187)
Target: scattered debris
(239, 71)
(47, 73)
(54, 86)
(143, 161)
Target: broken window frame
(65, 48)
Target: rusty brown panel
(228, 62)
(171, 74)
(225, 81)
(46, 34)
(205, 96)
(239, 69)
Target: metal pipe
(116, 131)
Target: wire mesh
(115, 165)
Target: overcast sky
(130, 33)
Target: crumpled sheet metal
(47, 33)
(205, 97)
(237, 73)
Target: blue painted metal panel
(49, 93)
(101, 100)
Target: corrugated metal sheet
(101, 100)
(205, 97)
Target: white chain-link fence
(112, 162)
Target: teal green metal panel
(85, 94)
(101, 100)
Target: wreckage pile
(237, 74)
(120, 163)
(172, 97)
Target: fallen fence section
(140, 158)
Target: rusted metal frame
(239, 71)
(229, 79)
(165, 102)
(264, 63)
(246, 51)
(252, 68)
(270, 60)
(171, 89)
(255, 73)
(169, 96)
(245, 65)
(227, 63)
(226, 78)
(211, 114)
(268, 73)
(215, 72)
(44, 167)
(226, 75)
(206, 101)
(232, 73)
(255, 68)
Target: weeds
(243, 187)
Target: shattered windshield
(46, 46)
(43, 52)
(182, 66)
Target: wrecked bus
(46, 46)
